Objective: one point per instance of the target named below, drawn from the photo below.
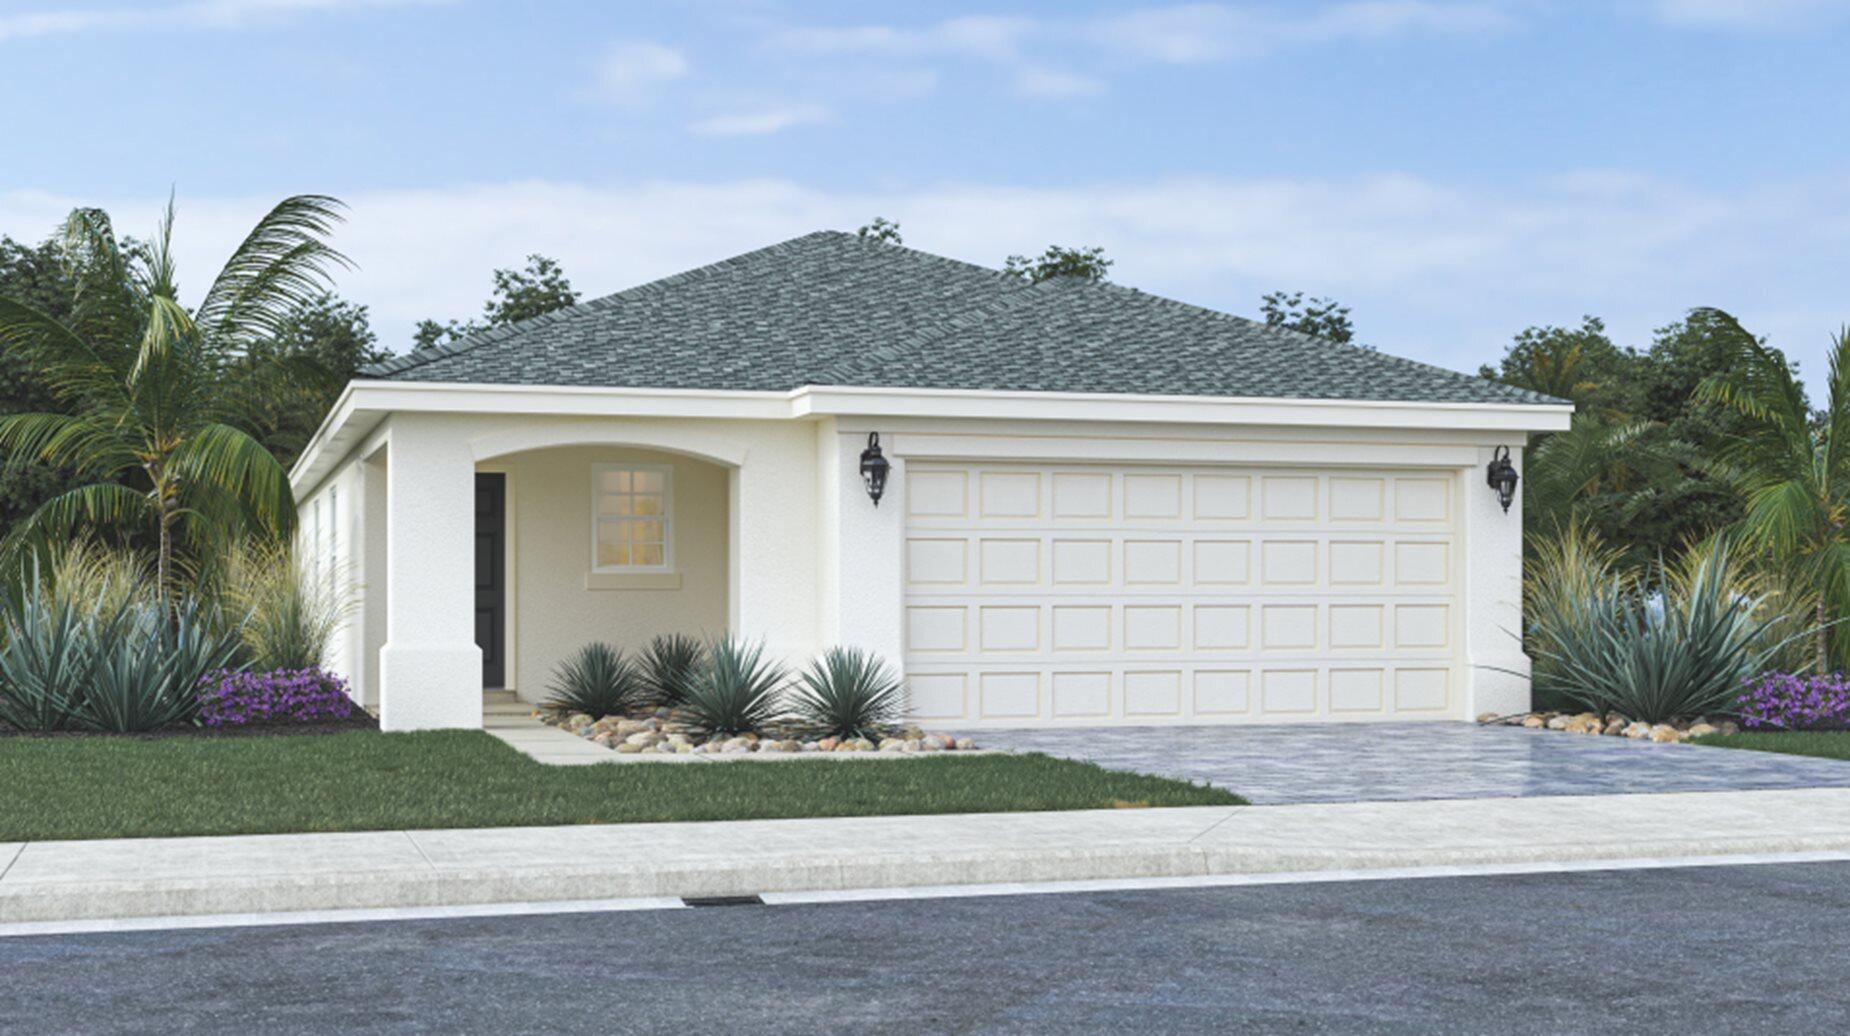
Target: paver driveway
(1359, 762)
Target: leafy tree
(517, 295)
(1087, 264)
(1793, 469)
(521, 294)
(882, 230)
(1319, 317)
(293, 379)
(36, 276)
(155, 440)
(1580, 364)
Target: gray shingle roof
(831, 309)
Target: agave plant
(48, 651)
(668, 666)
(735, 692)
(1680, 643)
(847, 693)
(150, 663)
(598, 681)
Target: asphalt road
(1741, 949)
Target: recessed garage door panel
(1075, 594)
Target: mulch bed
(358, 721)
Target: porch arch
(695, 443)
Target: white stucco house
(1103, 507)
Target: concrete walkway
(511, 720)
(52, 881)
(1374, 762)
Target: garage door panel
(1074, 594)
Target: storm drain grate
(721, 901)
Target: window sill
(632, 580)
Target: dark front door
(491, 577)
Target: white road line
(592, 906)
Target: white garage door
(1069, 594)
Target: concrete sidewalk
(53, 881)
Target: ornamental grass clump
(598, 681)
(289, 613)
(1675, 642)
(668, 665)
(1788, 701)
(311, 695)
(847, 693)
(735, 692)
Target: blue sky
(1453, 170)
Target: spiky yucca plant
(599, 682)
(847, 693)
(735, 692)
(668, 665)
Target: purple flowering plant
(228, 698)
(1787, 701)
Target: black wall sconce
(1502, 477)
(874, 467)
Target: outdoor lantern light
(1501, 475)
(874, 467)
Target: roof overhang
(365, 404)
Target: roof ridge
(488, 336)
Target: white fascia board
(365, 402)
(1086, 406)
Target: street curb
(756, 873)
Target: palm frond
(282, 264)
(67, 516)
(66, 441)
(228, 459)
(66, 361)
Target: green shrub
(734, 692)
(847, 693)
(668, 666)
(150, 664)
(599, 682)
(288, 613)
(1678, 641)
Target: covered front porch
(486, 549)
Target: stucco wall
(554, 614)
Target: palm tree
(154, 436)
(1793, 469)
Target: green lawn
(58, 788)
(1828, 744)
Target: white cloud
(989, 38)
(1037, 81)
(1747, 14)
(1208, 32)
(631, 72)
(760, 122)
(1443, 272)
(205, 14)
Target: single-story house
(1099, 507)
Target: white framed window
(333, 533)
(632, 515)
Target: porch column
(1496, 673)
(430, 670)
(773, 540)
